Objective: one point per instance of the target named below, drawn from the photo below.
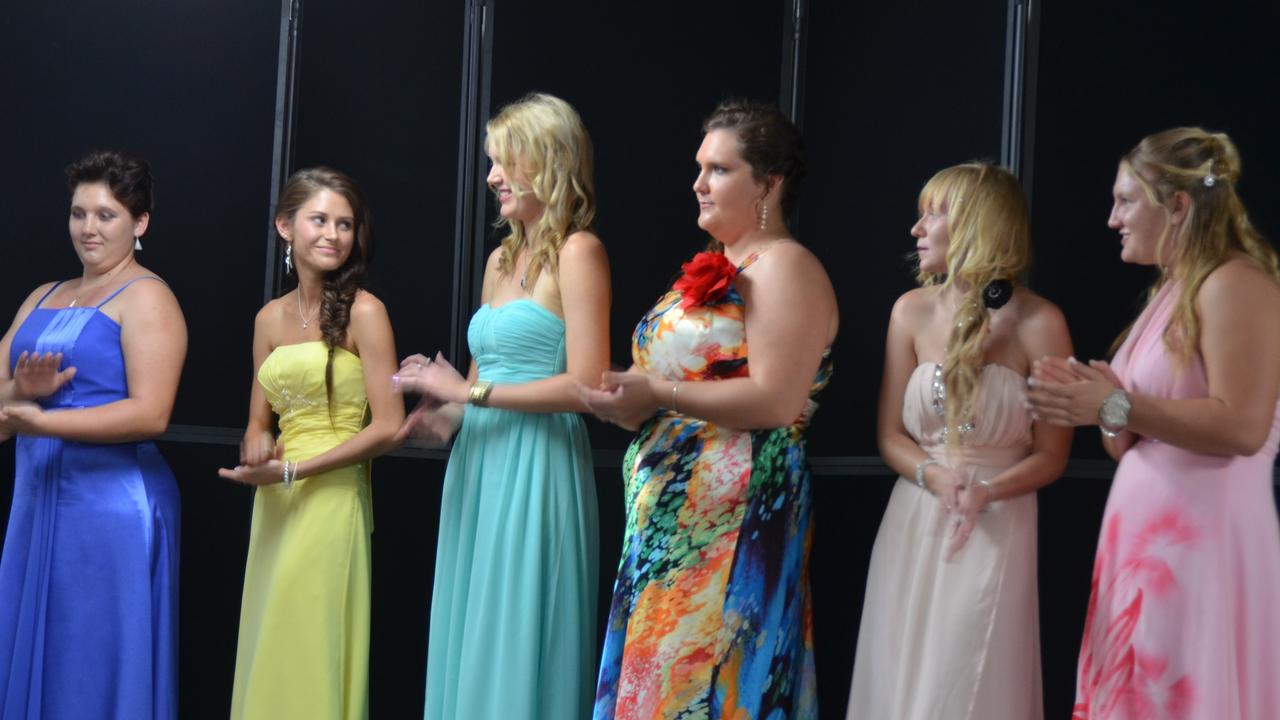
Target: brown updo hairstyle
(128, 177)
(768, 141)
(341, 285)
(1205, 166)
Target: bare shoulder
(789, 258)
(367, 307)
(150, 289)
(914, 307)
(1037, 314)
(582, 248)
(1041, 325)
(1239, 283)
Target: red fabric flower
(706, 278)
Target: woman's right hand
(37, 376)
(431, 423)
(257, 447)
(943, 482)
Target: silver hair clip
(1210, 180)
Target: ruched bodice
(516, 565)
(915, 661)
(293, 378)
(1001, 433)
(89, 341)
(516, 342)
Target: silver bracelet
(675, 389)
(920, 466)
(289, 476)
(986, 484)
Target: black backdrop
(886, 93)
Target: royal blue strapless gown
(89, 574)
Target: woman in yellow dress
(323, 356)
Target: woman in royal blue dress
(88, 374)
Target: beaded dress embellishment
(940, 404)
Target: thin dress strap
(48, 293)
(756, 255)
(122, 287)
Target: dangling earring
(764, 216)
(137, 243)
(288, 258)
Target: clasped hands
(1067, 392)
(261, 461)
(626, 399)
(35, 376)
(433, 420)
(962, 502)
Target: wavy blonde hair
(1179, 160)
(543, 136)
(989, 227)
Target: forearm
(1200, 425)
(7, 393)
(127, 420)
(373, 440)
(741, 403)
(902, 454)
(555, 394)
(1028, 475)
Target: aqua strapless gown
(513, 609)
(303, 651)
(89, 576)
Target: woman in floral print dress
(711, 612)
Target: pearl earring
(764, 216)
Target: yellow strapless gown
(303, 650)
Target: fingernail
(1072, 359)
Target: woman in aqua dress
(323, 356)
(88, 375)
(513, 606)
(711, 612)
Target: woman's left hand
(625, 399)
(20, 418)
(435, 379)
(1072, 403)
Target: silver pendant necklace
(305, 320)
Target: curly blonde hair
(1181, 160)
(989, 227)
(543, 136)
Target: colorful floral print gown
(711, 609)
(1184, 614)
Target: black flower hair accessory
(997, 293)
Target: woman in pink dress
(950, 626)
(1183, 618)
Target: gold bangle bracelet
(479, 393)
(675, 389)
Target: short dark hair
(127, 175)
(767, 140)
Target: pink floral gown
(1184, 615)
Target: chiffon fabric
(513, 609)
(954, 638)
(1183, 617)
(303, 649)
(89, 575)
